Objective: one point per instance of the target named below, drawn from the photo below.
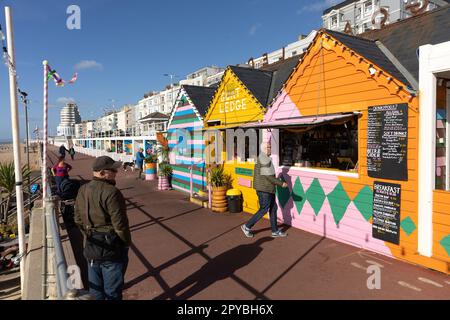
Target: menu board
(387, 142)
(386, 212)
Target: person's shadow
(221, 267)
(289, 205)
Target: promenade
(182, 251)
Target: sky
(124, 48)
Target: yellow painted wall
(234, 104)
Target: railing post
(191, 181)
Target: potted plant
(164, 171)
(150, 166)
(220, 182)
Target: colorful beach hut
(186, 144)
(241, 98)
(344, 131)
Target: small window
(330, 146)
(368, 7)
(334, 21)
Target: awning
(300, 121)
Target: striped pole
(44, 152)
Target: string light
(6, 57)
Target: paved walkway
(182, 251)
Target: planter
(150, 171)
(163, 183)
(219, 201)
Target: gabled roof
(200, 97)
(338, 6)
(404, 38)
(155, 116)
(281, 72)
(369, 50)
(258, 82)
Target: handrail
(191, 168)
(58, 259)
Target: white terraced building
(360, 15)
(70, 116)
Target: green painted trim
(182, 121)
(364, 202)
(445, 243)
(339, 201)
(244, 172)
(408, 226)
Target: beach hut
(185, 136)
(241, 98)
(344, 131)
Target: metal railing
(56, 280)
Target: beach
(6, 155)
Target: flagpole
(44, 152)
(16, 143)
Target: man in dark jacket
(62, 151)
(101, 214)
(264, 183)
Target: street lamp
(23, 96)
(171, 78)
(171, 85)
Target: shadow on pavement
(221, 267)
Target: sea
(5, 141)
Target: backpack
(69, 189)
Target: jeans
(267, 203)
(58, 181)
(107, 278)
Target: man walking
(72, 152)
(264, 182)
(62, 151)
(101, 214)
(140, 162)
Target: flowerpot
(150, 171)
(219, 210)
(163, 183)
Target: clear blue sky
(129, 45)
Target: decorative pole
(16, 142)
(44, 151)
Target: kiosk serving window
(332, 145)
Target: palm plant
(219, 178)
(8, 184)
(165, 170)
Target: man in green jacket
(101, 214)
(264, 182)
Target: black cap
(105, 163)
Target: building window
(358, 13)
(294, 53)
(334, 21)
(368, 7)
(329, 146)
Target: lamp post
(171, 85)
(23, 96)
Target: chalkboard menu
(387, 142)
(386, 212)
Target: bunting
(60, 82)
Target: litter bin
(234, 198)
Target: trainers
(248, 233)
(279, 234)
